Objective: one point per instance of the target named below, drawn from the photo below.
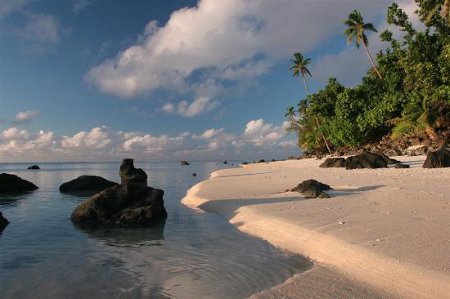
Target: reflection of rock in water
(129, 237)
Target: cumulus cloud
(257, 140)
(41, 29)
(226, 40)
(198, 106)
(25, 116)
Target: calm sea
(194, 255)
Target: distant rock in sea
(86, 184)
(10, 183)
(312, 189)
(194, 174)
(3, 222)
(34, 167)
(130, 204)
(225, 162)
(184, 163)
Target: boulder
(3, 222)
(184, 163)
(261, 161)
(10, 183)
(438, 159)
(401, 165)
(333, 162)
(312, 189)
(86, 183)
(244, 163)
(34, 167)
(366, 160)
(225, 162)
(130, 204)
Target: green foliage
(413, 97)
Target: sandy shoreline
(384, 233)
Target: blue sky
(93, 80)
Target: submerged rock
(10, 183)
(86, 183)
(34, 167)
(130, 204)
(438, 159)
(3, 222)
(333, 162)
(185, 163)
(366, 160)
(312, 189)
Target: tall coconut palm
(298, 68)
(428, 9)
(357, 31)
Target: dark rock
(312, 189)
(10, 183)
(261, 161)
(274, 160)
(3, 222)
(366, 160)
(333, 162)
(438, 159)
(86, 183)
(34, 167)
(401, 165)
(225, 162)
(130, 204)
(244, 163)
(194, 174)
(184, 163)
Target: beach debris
(86, 184)
(401, 165)
(438, 159)
(3, 222)
(312, 189)
(185, 163)
(130, 204)
(10, 183)
(333, 162)
(34, 167)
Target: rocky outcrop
(312, 189)
(438, 159)
(34, 167)
(184, 163)
(130, 204)
(366, 160)
(10, 183)
(86, 184)
(3, 222)
(333, 162)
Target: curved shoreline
(252, 199)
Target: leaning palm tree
(357, 31)
(428, 9)
(300, 68)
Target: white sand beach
(385, 233)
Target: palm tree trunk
(445, 11)
(371, 60)
(317, 120)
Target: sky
(101, 80)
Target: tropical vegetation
(405, 93)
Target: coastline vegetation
(405, 94)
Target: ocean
(193, 255)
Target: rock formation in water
(86, 183)
(130, 204)
(184, 163)
(3, 222)
(34, 167)
(10, 183)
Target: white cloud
(79, 5)
(198, 106)
(226, 40)
(41, 29)
(25, 116)
(257, 140)
(10, 6)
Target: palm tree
(357, 31)
(300, 68)
(431, 7)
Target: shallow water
(194, 255)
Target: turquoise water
(194, 255)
